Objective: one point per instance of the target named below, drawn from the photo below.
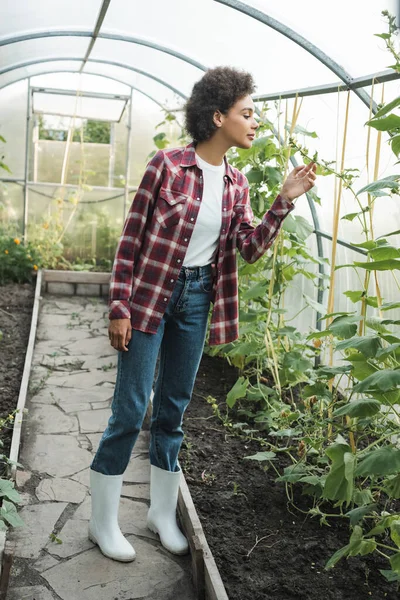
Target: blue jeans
(179, 341)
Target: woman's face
(238, 126)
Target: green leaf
(390, 576)
(385, 352)
(315, 305)
(259, 290)
(299, 226)
(8, 512)
(385, 123)
(337, 484)
(354, 296)
(384, 461)
(7, 490)
(363, 497)
(368, 345)
(345, 326)
(350, 216)
(330, 372)
(295, 361)
(390, 105)
(390, 305)
(395, 562)
(272, 176)
(365, 407)
(385, 252)
(395, 532)
(293, 473)
(389, 182)
(393, 487)
(254, 176)
(238, 391)
(261, 456)
(395, 143)
(377, 324)
(357, 514)
(337, 556)
(381, 380)
(379, 265)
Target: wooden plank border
(75, 277)
(206, 577)
(16, 436)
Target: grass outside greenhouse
(319, 410)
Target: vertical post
(128, 156)
(111, 159)
(27, 146)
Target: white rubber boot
(161, 519)
(103, 527)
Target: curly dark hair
(218, 89)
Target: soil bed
(239, 503)
(16, 302)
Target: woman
(176, 255)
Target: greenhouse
(286, 392)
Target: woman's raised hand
(299, 181)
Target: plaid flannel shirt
(157, 232)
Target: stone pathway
(71, 386)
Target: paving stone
(93, 346)
(56, 455)
(48, 347)
(25, 498)
(82, 380)
(138, 490)
(138, 470)
(93, 421)
(52, 394)
(44, 562)
(97, 362)
(51, 419)
(82, 477)
(36, 592)
(62, 361)
(100, 405)
(74, 408)
(62, 307)
(91, 576)
(21, 478)
(47, 320)
(62, 334)
(74, 537)
(39, 521)
(60, 490)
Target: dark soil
(239, 503)
(16, 302)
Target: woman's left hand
(299, 181)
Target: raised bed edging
(206, 577)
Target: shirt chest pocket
(170, 207)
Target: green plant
(17, 262)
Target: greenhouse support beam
(27, 145)
(105, 36)
(128, 157)
(97, 95)
(341, 242)
(111, 159)
(99, 23)
(95, 61)
(295, 37)
(330, 88)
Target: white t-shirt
(206, 232)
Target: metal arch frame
(97, 61)
(89, 73)
(107, 36)
(300, 40)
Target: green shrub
(17, 262)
